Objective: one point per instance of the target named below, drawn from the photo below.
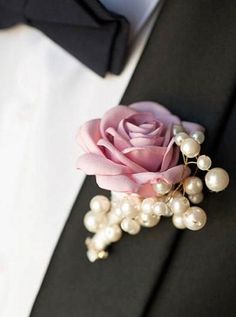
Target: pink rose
(131, 148)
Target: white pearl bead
(162, 188)
(173, 194)
(118, 196)
(130, 226)
(114, 204)
(193, 185)
(100, 241)
(118, 212)
(100, 203)
(190, 147)
(180, 137)
(148, 220)
(147, 205)
(136, 201)
(113, 233)
(197, 198)
(161, 209)
(178, 221)
(177, 128)
(179, 205)
(92, 255)
(204, 162)
(194, 218)
(114, 218)
(198, 136)
(93, 221)
(217, 179)
(128, 208)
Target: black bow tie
(97, 37)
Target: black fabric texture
(94, 35)
(188, 65)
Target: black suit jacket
(188, 65)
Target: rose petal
(148, 157)
(167, 158)
(155, 132)
(171, 156)
(146, 190)
(168, 135)
(192, 127)
(176, 174)
(150, 106)
(172, 176)
(88, 136)
(132, 128)
(148, 126)
(135, 121)
(119, 183)
(118, 140)
(122, 130)
(113, 117)
(93, 164)
(119, 157)
(175, 157)
(160, 112)
(140, 142)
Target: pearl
(180, 137)
(162, 188)
(114, 204)
(147, 205)
(92, 255)
(148, 220)
(93, 221)
(197, 198)
(190, 147)
(204, 162)
(114, 217)
(128, 208)
(100, 241)
(177, 128)
(198, 136)
(161, 209)
(100, 203)
(173, 194)
(193, 185)
(118, 196)
(136, 201)
(117, 211)
(113, 233)
(178, 221)
(194, 218)
(179, 205)
(130, 226)
(217, 179)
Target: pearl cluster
(216, 179)
(129, 212)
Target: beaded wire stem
(128, 212)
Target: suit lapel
(185, 68)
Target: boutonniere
(148, 159)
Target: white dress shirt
(45, 95)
